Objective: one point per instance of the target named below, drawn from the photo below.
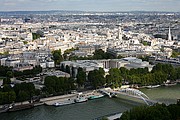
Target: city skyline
(91, 5)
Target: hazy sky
(91, 5)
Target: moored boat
(170, 84)
(20, 107)
(5, 108)
(153, 86)
(80, 98)
(62, 103)
(95, 96)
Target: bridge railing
(130, 92)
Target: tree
(81, 77)
(177, 72)
(12, 96)
(7, 88)
(99, 54)
(175, 54)
(34, 71)
(174, 110)
(71, 83)
(25, 42)
(115, 76)
(35, 36)
(68, 51)
(6, 81)
(24, 91)
(145, 43)
(159, 77)
(134, 79)
(9, 74)
(145, 58)
(57, 57)
(156, 112)
(4, 70)
(124, 72)
(73, 72)
(22, 95)
(125, 116)
(108, 80)
(50, 81)
(67, 69)
(62, 68)
(96, 78)
(7, 97)
(55, 85)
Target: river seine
(94, 108)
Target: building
(86, 65)
(169, 35)
(127, 52)
(136, 63)
(11, 62)
(50, 64)
(22, 67)
(57, 74)
(90, 65)
(3, 61)
(90, 49)
(164, 60)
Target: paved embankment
(52, 100)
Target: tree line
(156, 112)
(9, 72)
(58, 85)
(17, 93)
(34, 71)
(116, 77)
(97, 55)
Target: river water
(94, 108)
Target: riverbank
(168, 83)
(48, 101)
(92, 94)
(112, 116)
(94, 108)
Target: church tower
(108, 35)
(120, 35)
(169, 34)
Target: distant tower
(169, 34)
(120, 33)
(108, 35)
(66, 38)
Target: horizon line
(84, 11)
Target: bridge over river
(131, 92)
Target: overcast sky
(91, 5)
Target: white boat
(170, 84)
(80, 99)
(153, 86)
(66, 102)
(95, 96)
